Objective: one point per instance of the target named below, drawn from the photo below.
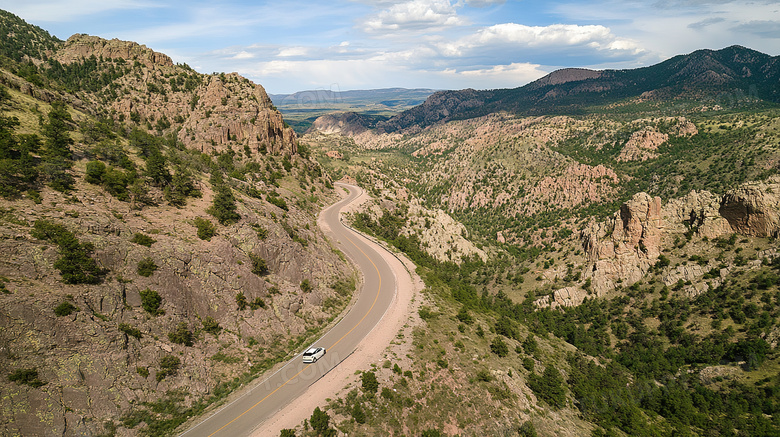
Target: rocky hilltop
(208, 113)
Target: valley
(597, 250)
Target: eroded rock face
(642, 145)
(623, 248)
(753, 209)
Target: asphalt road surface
(247, 413)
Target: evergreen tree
(223, 207)
(55, 130)
(17, 164)
(157, 168)
(549, 387)
(57, 156)
(320, 422)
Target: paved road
(247, 413)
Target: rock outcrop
(80, 46)
(753, 209)
(622, 249)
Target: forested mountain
(727, 77)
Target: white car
(313, 354)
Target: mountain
(723, 77)
(159, 237)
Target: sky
(293, 45)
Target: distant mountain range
(388, 97)
(716, 76)
(300, 109)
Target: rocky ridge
(209, 113)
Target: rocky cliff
(626, 247)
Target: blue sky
(293, 45)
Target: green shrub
(369, 382)
(74, 264)
(151, 302)
(143, 240)
(211, 326)
(181, 335)
(257, 303)
(94, 173)
(132, 331)
(259, 266)
(426, 313)
(224, 358)
(276, 201)
(320, 423)
(26, 376)
(241, 301)
(146, 267)
(65, 309)
(499, 347)
(262, 233)
(527, 429)
(358, 414)
(206, 229)
(169, 366)
(344, 287)
(464, 317)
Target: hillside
(160, 238)
(728, 77)
(630, 274)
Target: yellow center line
(332, 346)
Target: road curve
(246, 413)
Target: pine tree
(55, 130)
(223, 207)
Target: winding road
(248, 412)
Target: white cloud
(243, 54)
(289, 52)
(511, 75)
(595, 37)
(414, 15)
